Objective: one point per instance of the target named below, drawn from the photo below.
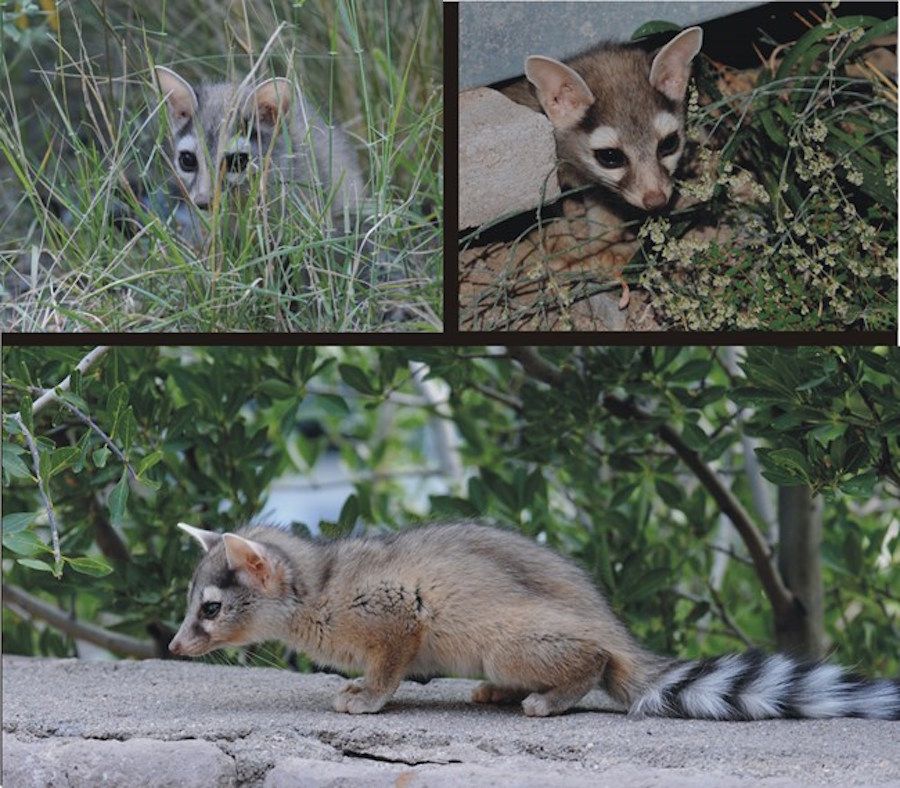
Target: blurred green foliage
(206, 431)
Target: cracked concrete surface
(159, 723)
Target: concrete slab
(73, 723)
(507, 158)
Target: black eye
(187, 161)
(611, 158)
(236, 162)
(668, 145)
(210, 609)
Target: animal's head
(618, 115)
(243, 591)
(222, 131)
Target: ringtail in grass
(618, 119)
(475, 601)
(222, 132)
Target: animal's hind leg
(554, 670)
(486, 692)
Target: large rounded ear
(255, 564)
(563, 94)
(207, 539)
(270, 100)
(671, 67)
(181, 100)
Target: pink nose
(654, 200)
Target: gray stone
(78, 763)
(507, 158)
(308, 773)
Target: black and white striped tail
(756, 686)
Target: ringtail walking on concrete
(227, 130)
(618, 120)
(475, 601)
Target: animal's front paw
(355, 699)
(353, 686)
(536, 705)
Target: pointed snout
(654, 200)
(176, 647)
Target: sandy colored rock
(507, 158)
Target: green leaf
(694, 436)
(73, 399)
(356, 379)
(450, 506)
(115, 406)
(117, 500)
(278, 389)
(648, 583)
(671, 493)
(101, 456)
(149, 461)
(94, 565)
(25, 407)
(716, 448)
(825, 433)
(18, 521)
(653, 27)
(34, 563)
(693, 371)
(783, 466)
(860, 486)
(58, 460)
(349, 514)
(15, 466)
(333, 404)
(24, 543)
(332, 530)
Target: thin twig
(780, 596)
(48, 504)
(14, 597)
(106, 439)
(726, 617)
(50, 395)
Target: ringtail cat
(229, 129)
(618, 120)
(475, 601)
(617, 115)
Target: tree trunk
(802, 632)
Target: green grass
(80, 121)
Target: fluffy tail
(756, 686)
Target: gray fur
(304, 150)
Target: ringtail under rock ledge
(618, 120)
(226, 130)
(618, 117)
(475, 601)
